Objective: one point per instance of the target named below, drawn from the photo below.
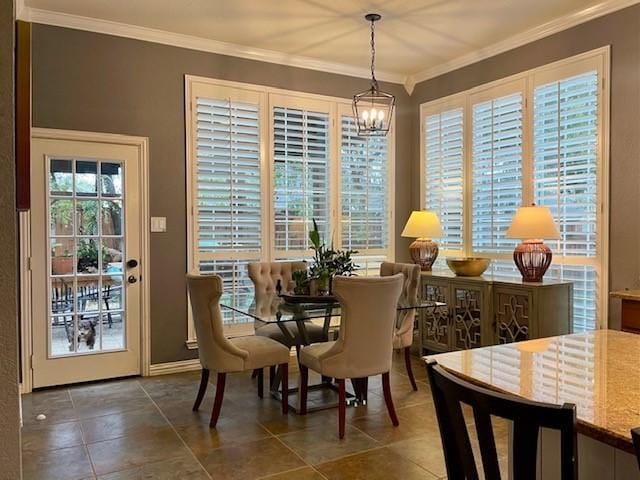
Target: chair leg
(342, 400)
(261, 383)
(388, 400)
(407, 364)
(204, 382)
(217, 403)
(254, 374)
(285, 388)
(304, 380)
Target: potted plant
(326, 264)
(61, 264)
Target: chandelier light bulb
(365, 115)
(380, 115)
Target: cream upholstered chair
(265, 277)
(403, 333)
(224, 355)
(364, 348)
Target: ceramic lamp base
(424, 252)
(532, 257)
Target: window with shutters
(227, 178)
(443, 145)
(262, 164)
(365, 213)
(565, 166)
(301, 178)
(496, 160)
(538, 137)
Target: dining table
(287, 311)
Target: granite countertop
(597, 371)
(626, 295)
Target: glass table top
(270, 308)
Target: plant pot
(62, 265)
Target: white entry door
(85, 260)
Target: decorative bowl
(468, 267)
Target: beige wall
(621, 30)
(9, 398)
(94, 82)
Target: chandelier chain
(374, 81)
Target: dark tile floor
(144, 428)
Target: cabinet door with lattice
(513, 312)
(435, 323)
(468, 311)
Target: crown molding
(528, 36)
(118, 29)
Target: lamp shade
(422, 224)
(533, 222)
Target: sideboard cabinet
(489, 310)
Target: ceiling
(414, 36)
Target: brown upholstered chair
(224, 355)
(403, 333)
(364, 346)
(265, 277)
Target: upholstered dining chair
(363, 349)
(403, 333)
(222, 355)
(265, 277)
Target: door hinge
(30, 366)
(29, 263)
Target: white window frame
(270, 97)
(599, 60)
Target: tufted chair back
(216, 352)
(265, 275)
(368, 311)
(403, 333)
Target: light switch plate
(158, 224)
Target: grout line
(84, 441)
(300, 457)
(175, 431)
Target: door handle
(132, 279)
(132, 263)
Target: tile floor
(144, 428)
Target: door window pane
(87, 217)
(112, 217)
(111, 179)
(61, 177)
(86, 175)
(61, 213)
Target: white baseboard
(174, 367)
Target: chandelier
(373, 108)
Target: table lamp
(532, 256)
(423, 226)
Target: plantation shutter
(444, 174)
(228, 194)
(497, 171)
(565, 180)
(301, 177)
(228, 176)
(364, 195)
